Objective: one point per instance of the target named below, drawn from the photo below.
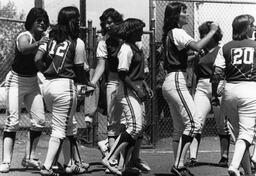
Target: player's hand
(142, 95)
(214, 26)
(215, 101)
(221, 88)
(43, 40)
(90, 88)
(150, 93)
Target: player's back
(60, 59)
(240, 60)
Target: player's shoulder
(241, 43)
(25, 35)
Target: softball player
(182, 106)
(203, 95)
(58, 62)
(22, 86)
(131, 92)
(236, 60)
(109, 18)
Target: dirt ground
(160, 158)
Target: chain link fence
(11, 26)
(220, 11)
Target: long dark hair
(242, 27)
(110, 13)
(127, 28)
(205, 29)
(67, 26)
(171, 17)
(34, 14)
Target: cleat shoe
(183, 171)
(107, 171)
(141, 165)
(4, 167)
(191, 163)
(58, 168)
(31, 163)
(74, 169)
(84, 165)
(131, 171)
(223, 162)
(110, 165)
(50, 172)
(233, 172)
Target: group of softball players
(60, 57)
(225, 77)
(225, 81)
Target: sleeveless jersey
(136, 69)
(204, 67)
(24, 64)
(174, 59)
(240, 60)
(113, 47)
(59, 59)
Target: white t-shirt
(124, 55)
(80, 54)
(181, 38)
(101, 52)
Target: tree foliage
(8, 33)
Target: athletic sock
(240, 148)
(32, 143)
(194, 146)
(123, 138)
(175, 146)
(53, 152)
(8, 145)
(224, 145)
(184, 143)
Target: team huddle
(225, 78)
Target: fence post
(95, 118)
(83, 19)
(39, 3)
(154, 105)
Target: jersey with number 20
(59, 59)
(240, 58)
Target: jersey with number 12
(59, 59)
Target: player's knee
(177, 134)
(60, 134)
(246, 137)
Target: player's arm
(39, 57)
(218, 75)
(125, 56)
(81, 64)
(199, 45)
(25, 46)
(215, 80)
(101, 55)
